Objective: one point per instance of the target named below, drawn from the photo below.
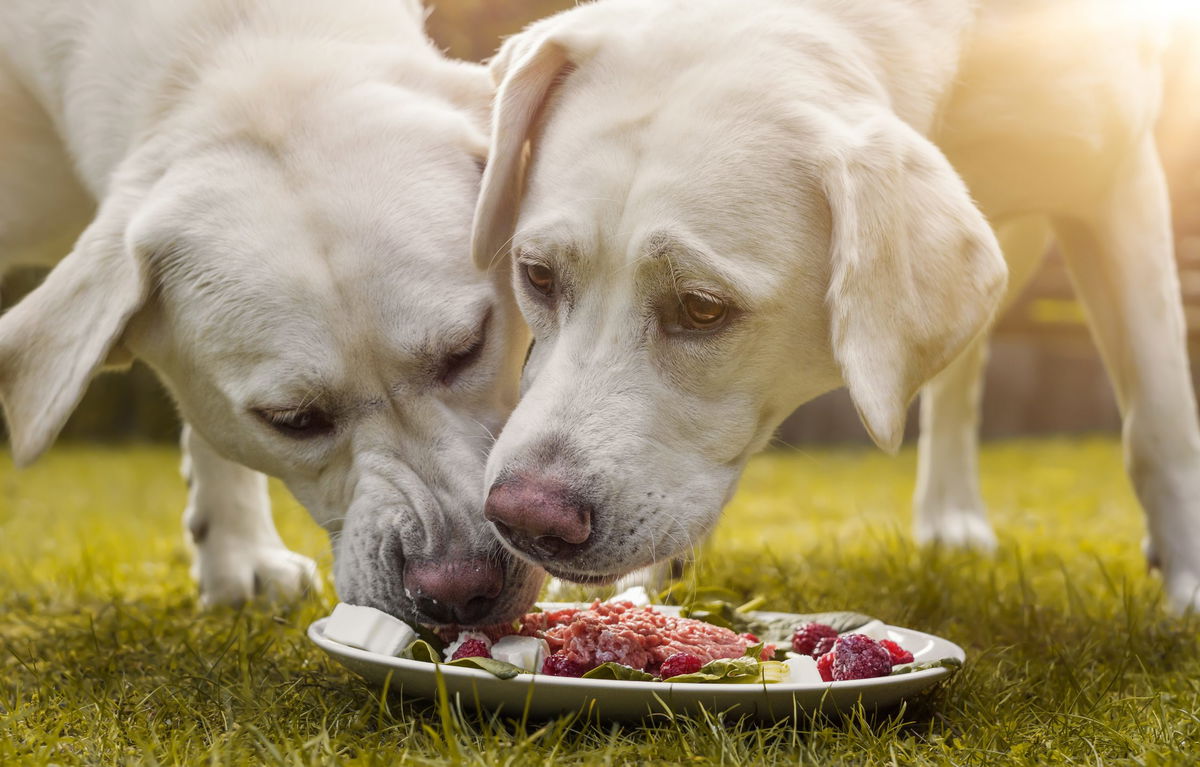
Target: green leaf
(619, 671)
(754, 651)
(951, 663)
(735, 671)
(498, 668)
(708, 616)
(427, 635)
(423, 651)
(780, 629)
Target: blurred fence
(1043, 373)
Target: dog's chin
(583, 579)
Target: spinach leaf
(497, 668)
(619, 671)
(735, 671)
(423, 651)
(951, 663)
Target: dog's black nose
(453, 590)
(540, 516)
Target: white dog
(717, 211)
(283, 193)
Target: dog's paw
(1183, 591)
(1150, 552)
(964, 530)
(238, 573)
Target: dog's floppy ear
(55, 339)
(526, 68)
(916, 270)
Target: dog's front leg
(1121, 259)
(947, 506)
(238, 553)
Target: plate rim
(316, 633)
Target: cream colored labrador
(275, 200)
(715, 211)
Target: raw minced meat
(641, 637)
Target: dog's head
(701, 240)
(290, 254)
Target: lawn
(105, 658)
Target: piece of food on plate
(369, 629)
(638, 637)
(625, 641)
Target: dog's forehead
(718, 197)
(239, 240)
(737, 167)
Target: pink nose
(453, 590)
(540, 516)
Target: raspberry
(751, 638)
(825, 667)
(824, 645)
(680, 663)
(804, 640)
(898, 653)
(857, 656)
(559, 664)
(472, 648)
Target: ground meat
(640, 637)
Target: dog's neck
(108, 75)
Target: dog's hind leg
(948, 509)
(238, 553)
(1120, 256)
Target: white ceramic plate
(546, 696)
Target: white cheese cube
(635, 594)
(802, 670)
(465, 636)
(369, 629)
(526, 652)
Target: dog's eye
(702, 311)
(541, 277)
(456, 363)
(298, 422)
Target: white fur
(279, 196)
(826, 166)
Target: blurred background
(1043, 375)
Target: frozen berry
(751, 638)
(804, 640)
(824, 645)
(858, 656)
(680, 663)
(825, 667)
(472, 648)
(898, 653)
(559, 664)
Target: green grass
(105, 658)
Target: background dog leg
(1121, 260)
(238, 553)
(947, 506)
(948, 509)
